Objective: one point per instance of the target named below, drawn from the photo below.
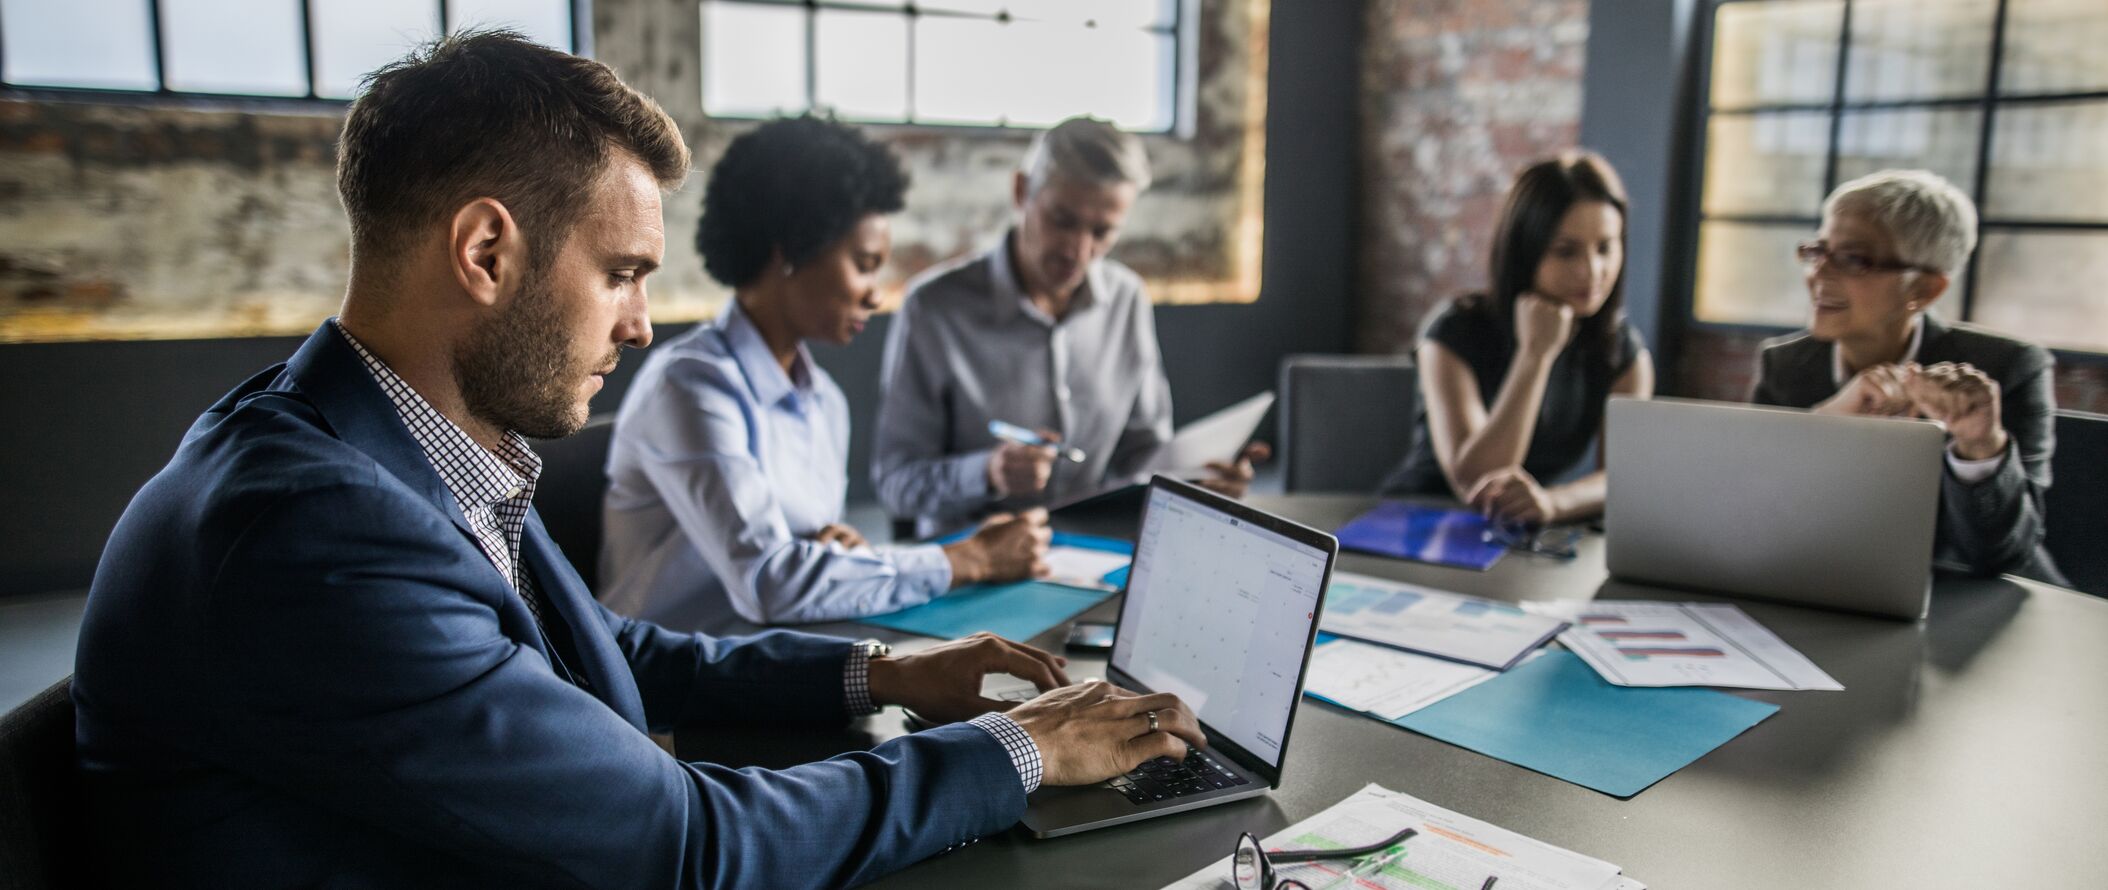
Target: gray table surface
(1968, 750)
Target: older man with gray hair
(1042, 332)
(1890, 245)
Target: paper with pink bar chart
(1639, 643)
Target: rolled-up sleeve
(696, 440)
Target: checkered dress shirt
(495, 490)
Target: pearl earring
(1912, 305)
(788, 269)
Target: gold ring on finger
(1152, 719)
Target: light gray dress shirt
(968, 346)
(722, 467)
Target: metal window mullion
(582, 27)
(812, 56)
(1837, 99)
(914, 14)
(153, 14)
(445, 26)
(307, 47)
(1983, 157)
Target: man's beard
(516, 371)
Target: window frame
(1184, 70)
(1987, 103)
(581, 44)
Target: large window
(316, 49)
(1022, 63)
(2008, 99)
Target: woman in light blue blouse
(729, 464)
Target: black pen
(1490, 879)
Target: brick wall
(1457, 95)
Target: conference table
(1967, 750)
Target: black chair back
(42, 819)
(2076, 509)
(1346, 420)
(574, 482)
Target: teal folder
(1018, 611)
(1554, 715)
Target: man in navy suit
(331, 643)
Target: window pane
(1778, 52)
(1747, 274)
(353, 37)
(81, 43)
(2026, 287)
(2054, 46)
(2047, 162)
(1107, 13)
(547, 22)
(753, 59)
(234, 46)
(1024, 73)
(1769, 163)
(862, 64)
(1919, 49)
(1943, 142)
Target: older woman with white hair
(1889, 248)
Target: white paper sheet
(1462, 628)
(1082, 566)
(1641, 643)
(1383, 681)
(1217, 436)
(1451, 849)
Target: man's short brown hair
(491, 114)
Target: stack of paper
(1461, 628)
(1639, 643)
(1450, 850)
(1385, 682)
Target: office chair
(42, 818)
(574, 481)
(2076, 508)
(1346, 420)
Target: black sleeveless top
(1569, 416)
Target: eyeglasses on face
(1818, 255)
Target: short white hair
(1932, 222)
(1086, 150)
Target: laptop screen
(1218, 612)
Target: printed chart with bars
(1637, 643)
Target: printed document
(1482, 632)
(1450, 850)
(1385, 682)
(1641, 643)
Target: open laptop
(1221, 609)
(1775, 503)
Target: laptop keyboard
(1164, 778)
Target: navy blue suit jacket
(298, 669)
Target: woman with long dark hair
(1513, 381)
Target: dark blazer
(1987, 527)
(298, 669)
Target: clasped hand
(1960, 397)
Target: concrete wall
(92, 420)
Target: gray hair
(1933, 222)
(1086, 150)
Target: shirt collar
(1839, 373)
(1010, 296)
(474, 475)
(771, 384)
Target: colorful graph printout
(1638, 643)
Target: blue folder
(1554, 715)
(1423, 534)
(1019, 610)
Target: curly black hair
(795, 184)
